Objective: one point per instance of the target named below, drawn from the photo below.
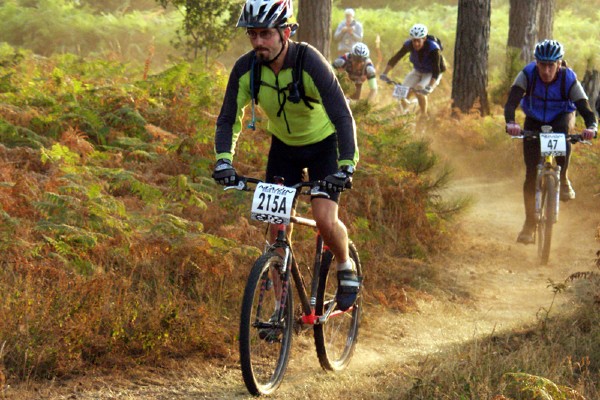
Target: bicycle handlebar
(573, 138)
(315, 186)
(392, 82)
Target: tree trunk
(469, 82)
(314, 17)
(591, 85)
(522, 27)
(546, 19)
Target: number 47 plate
(272, 203)
(553, 144)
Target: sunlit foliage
(117, 245)
(207, 26)
(60, 26)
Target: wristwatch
(348, 168)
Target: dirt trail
(505, 286)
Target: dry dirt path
(505, 290)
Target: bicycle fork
(546, 170)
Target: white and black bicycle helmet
(549, 51)
(418, 31)
(360, 50)
(266, 14)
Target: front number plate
(272, 203)
(553, 144)
(400, 92)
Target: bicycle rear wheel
(336, 339)
(265, 334)
(547, 219)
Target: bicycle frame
(290, 263)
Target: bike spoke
(336, 338)
(264, 339)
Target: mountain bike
(402, 93)
(547, 184)
(267, 319)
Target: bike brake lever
(579, 139)
(240, 186)
(316, 191)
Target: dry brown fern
(77, 141)
(583, 275)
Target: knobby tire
(336, 339)
(264, 345)
(547, 219)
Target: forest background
(118, 248)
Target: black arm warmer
(514, 97)
(583, 106)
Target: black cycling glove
(224, 173)
(341, 180)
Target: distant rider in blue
(427, 60)
(549, 93)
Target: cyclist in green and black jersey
(311, 124)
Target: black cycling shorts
(320, 159)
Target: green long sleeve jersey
(295, 124)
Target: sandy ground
(506, 289)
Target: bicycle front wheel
(335, 340)
(265, 326)
(547, 219)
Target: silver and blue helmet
(360, 50)
(266, 14)
(418, 31)
(549, 51)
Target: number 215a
(272, 203)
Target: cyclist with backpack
(549, 94)
(310, 123)
(428, 63)
(360, 68)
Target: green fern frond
(133, 143)
(62, 248)
(87, 119)
(59, 153)
(6, 218)
(127, 119)
(6, 84)
(142, 155)
(536, 387)
(219, 244)
(16, 136)
(171, 79)
(119, 179)
(146, 192)
(172, 225)
(182, 189)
